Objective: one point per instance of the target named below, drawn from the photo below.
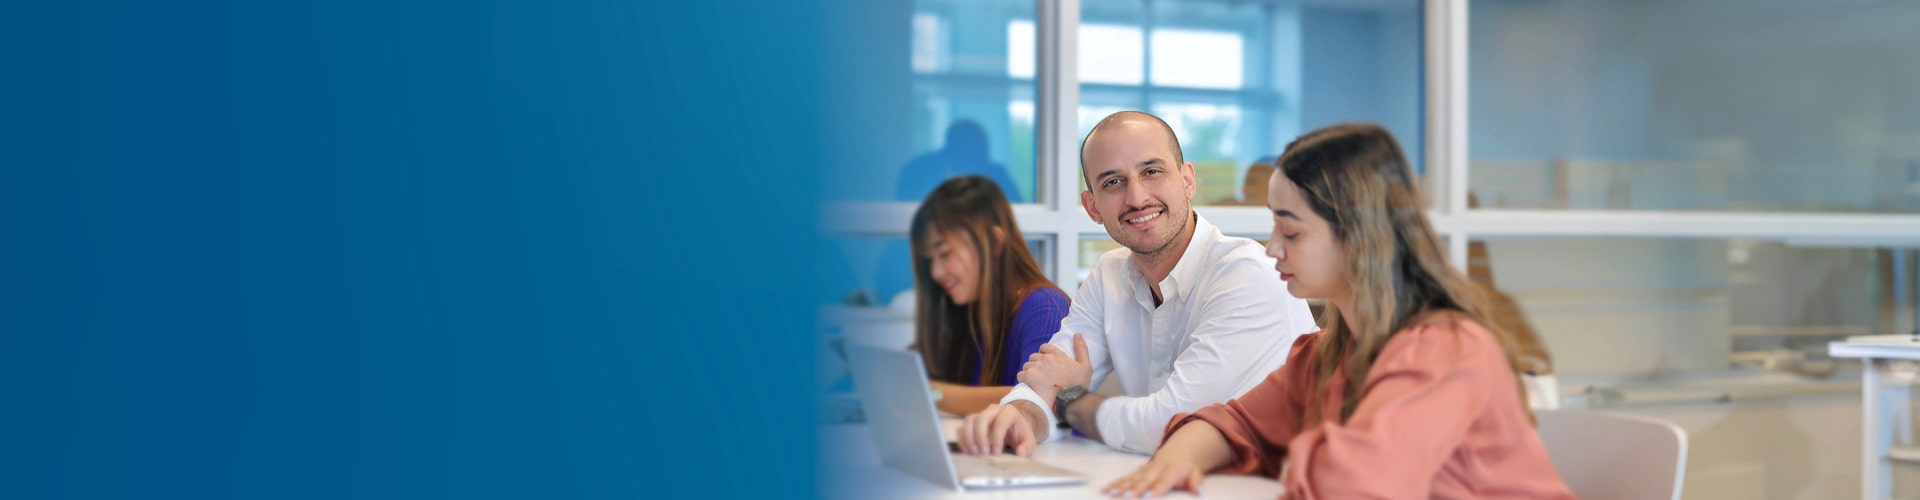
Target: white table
(1884, 407)
(849, 467)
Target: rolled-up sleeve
(1259, 424)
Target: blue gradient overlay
(371, 249)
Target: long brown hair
(952, 337)
(1355, 176)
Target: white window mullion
(1059, 162)
(1793, 228)
(890, 219)
(1446, 176)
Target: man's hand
(1050, 370)
(999, 426)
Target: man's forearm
(1036, 417)
(1081, 415)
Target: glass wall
(1647, 305)
(1695, 105)
(966, 102)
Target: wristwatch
(1066, 398)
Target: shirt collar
(1186, 273)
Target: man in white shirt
(1184, 315)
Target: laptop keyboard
(1010, 470)
(1006, 465)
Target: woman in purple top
(982, 304)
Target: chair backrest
(1606, 456)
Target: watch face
(1066, 398)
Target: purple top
(1034, 323)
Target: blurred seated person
(982, 304)
(1253, 190)
(965, 152)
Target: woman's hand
(1181, 462)
(1161, 474)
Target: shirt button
(1160, 373)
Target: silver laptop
(906, 428)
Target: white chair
(1607, 456)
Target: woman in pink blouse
(1404, 393)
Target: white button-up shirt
(1225, 322)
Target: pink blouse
(1442, 417)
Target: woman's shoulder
(1045, 304)
(1302, 350)
(1447, 337)
(1306, 340)
(1038, 315)
(1044, 296)
(1446, 322)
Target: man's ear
(1186, 172)
(1086, 202)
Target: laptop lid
(897, 400)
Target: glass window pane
(1110, 54)
(1198, 58)
(1209, 136)
(1744, 106)
(965, 65)
(1090, 250)
(1237, 81)
(1022, 43)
